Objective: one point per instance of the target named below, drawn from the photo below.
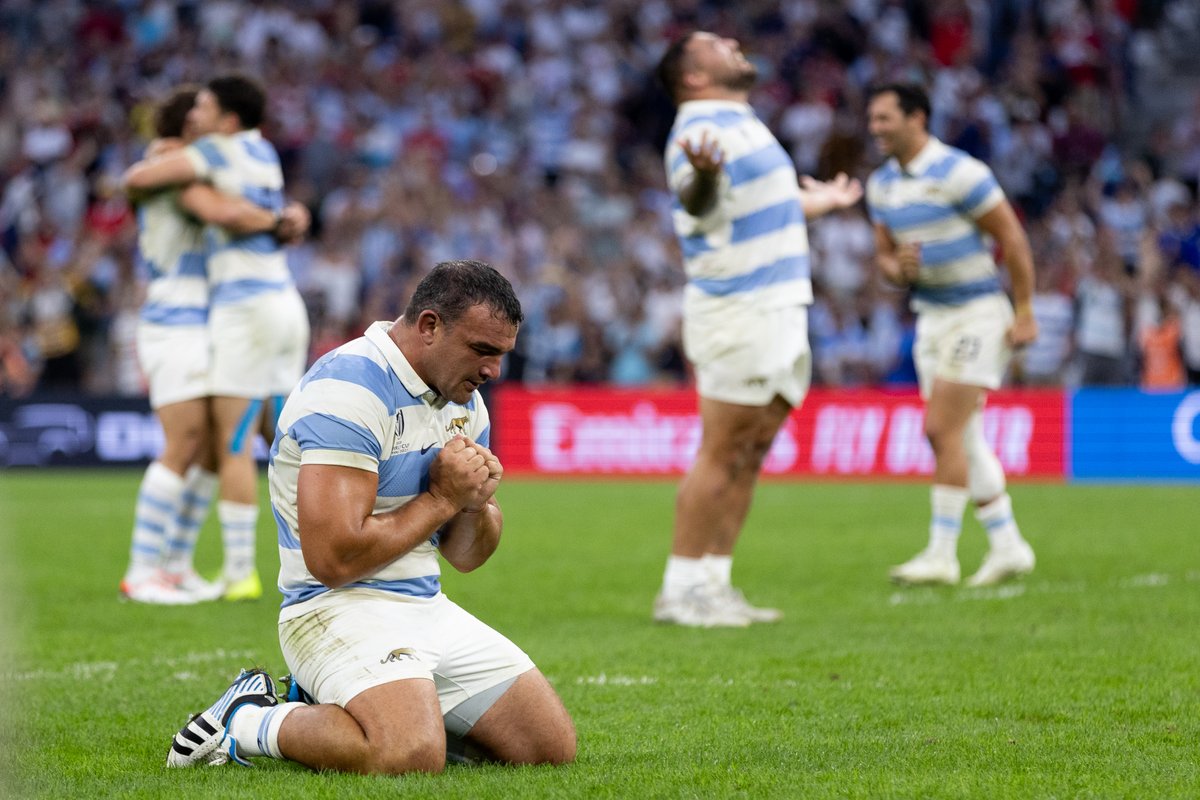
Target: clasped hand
(466, 474)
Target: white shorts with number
(748, 358)
(357, 639)
(260, 345)
(175, 361)
(965, 344)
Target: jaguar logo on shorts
(458, 425)
(399, 654)
(756, 381)
(967, 348)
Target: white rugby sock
(238, 521)
(683, 573)
(256, 728)
(158, 501)
(719, 568)
(199, 487)
(997, 518)
(947, 504)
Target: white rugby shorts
(175, 360)
(749, 358)
(965, 344)
(357, 639)
(260, 345)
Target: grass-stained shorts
(355, 639)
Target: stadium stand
(529, 134)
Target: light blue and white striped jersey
(243, 165)
(753, 244)
(935, 203)
(363, 406)
(171, 245)
(1055, 315)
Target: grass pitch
(1081, 681)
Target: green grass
(1081, 681)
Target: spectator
(417, 132)
(1103, 320)
(843, 246)
(1161, 357)
(1044, 361)
(1124, 213)
(1179, 240)
(1189, 321)
(17, 377)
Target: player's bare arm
(699, 193)
(342, 541)
(241, 217)
(163, 145)
(818, 198)
(1001, 224)
(172, 168)
(470, 538)
(157, 148)
(235, 214)
(899, 263)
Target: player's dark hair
(453, 287)
(670, 67)
(911, 97)
(171, 114)
(242, 96)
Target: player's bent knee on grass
(390, 730)
(398, 728)
(528, 724)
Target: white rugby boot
(698, 607)
(933, 565)
(190, 582)
(1013, 560)
(155, 588)
(734, 598)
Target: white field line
(604, 679)
(924, 596)
(104, 671)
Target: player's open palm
(841, 192)
(704, 155)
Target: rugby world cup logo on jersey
(397, 447)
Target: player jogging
(934, 208)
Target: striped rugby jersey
(243, 165)
(171, 245)
(935, 203)
(363, 406)
(752, 245)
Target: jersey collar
(690, 108)
(377, 334)
(930, 154)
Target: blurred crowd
(529, 133)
